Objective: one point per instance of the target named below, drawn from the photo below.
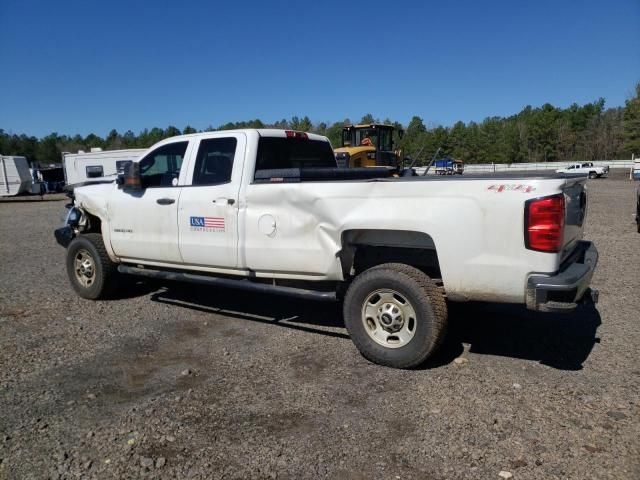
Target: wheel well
(93, 225)
(363, 249)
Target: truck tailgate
(575, 196)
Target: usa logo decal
(207, 224)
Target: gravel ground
(175, 381)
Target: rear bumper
(563, 291)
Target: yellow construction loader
(370, 145)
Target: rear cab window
(276, 153)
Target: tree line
(541, 134)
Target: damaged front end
(72, 223)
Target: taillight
(544, 223)
(294, 134)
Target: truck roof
(263, 132)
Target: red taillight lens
(294, 134)
(544, 223)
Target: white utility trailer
(97, 165)
(15, 177)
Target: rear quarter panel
(477, 226)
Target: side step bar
(243, 284)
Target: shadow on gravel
(562, 341)
(306, 316)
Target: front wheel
(90, 270)
(593, 175)
(395, 315)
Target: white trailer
(96, 166)
(15, 177)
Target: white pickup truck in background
(269, 211)
(586, 168)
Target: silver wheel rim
(85, 268)
(389, 318)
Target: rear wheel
(89, 268)
(396, 315)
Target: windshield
(371, 136)
(367, 137)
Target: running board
(243, 284)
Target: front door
(208, 210)
(144, 225)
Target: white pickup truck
(269, 211)
(586, 168)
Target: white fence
(517, 167)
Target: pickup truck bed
(380, 174)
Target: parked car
(269, 211)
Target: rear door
(208, 209)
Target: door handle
(165, 201)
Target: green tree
(301, 124)
(334, 133)
(48, 151)
(631, 124)
(367, 119)
(171, 131)
(93, 141)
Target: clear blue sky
(89, 66)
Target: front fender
(92, 200)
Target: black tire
(425, 300)
(593, 175)
(100, 284)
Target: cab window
(161, 167)
(277, 152)
(214, 162)
(386, 139)
(367, 137)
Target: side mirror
(130, 180)
(400, 133)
